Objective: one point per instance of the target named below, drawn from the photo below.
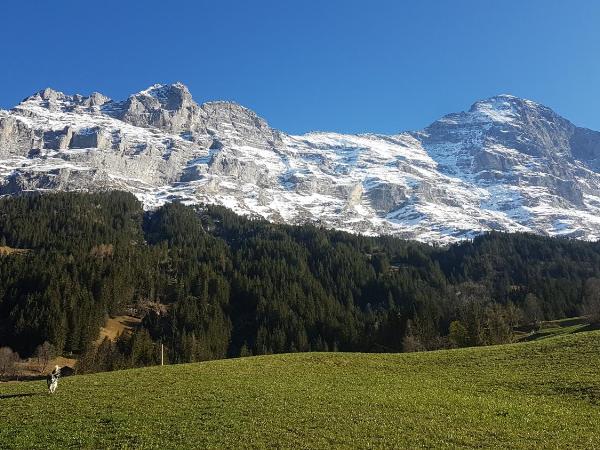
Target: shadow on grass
(27, 394)
(588, 327)
(24, 378)
(560, 330)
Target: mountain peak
(47, 94)
(506, 97)
(50, 94)
(51, 98)
(503, 108)
(170, 96)
(501, 100)
(160, 88)
(505, 101)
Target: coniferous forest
(210, 284)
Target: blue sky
(349, 66)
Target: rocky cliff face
(506, 163)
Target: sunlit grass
(542, 394)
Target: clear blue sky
(352, 66)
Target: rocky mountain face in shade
(505, 164)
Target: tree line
(210, 284)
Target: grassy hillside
(543, 394)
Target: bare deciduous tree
(44, 353)
(532, 310)
(411, 341)
(8, 360)
(591, 300)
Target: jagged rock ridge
(505, 164)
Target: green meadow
(539, 394)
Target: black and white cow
(52, 379)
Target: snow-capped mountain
(505, 164)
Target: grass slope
(116, 326)
(543, 394)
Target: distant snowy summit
(505, 164)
